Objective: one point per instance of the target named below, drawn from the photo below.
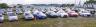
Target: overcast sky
(41, 1)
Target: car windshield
(72, 12)
(11, 14)
(26, 14)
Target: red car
(72, 14)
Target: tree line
(3, 5)
(91, 2)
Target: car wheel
(65, 16)
(88, 15)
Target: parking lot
(47, 13)
(52, 22)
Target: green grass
(80, 22)
(51, 22)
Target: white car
(1, 18)
(52, 14)
(85, 13)
(62, 14)
(2, 11)
(12, 17)
(39, 15)
(28, 16)
(9, 10)
(26, 9)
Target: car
(18, 11)
(9, 10)
(52, 14)
(12, 16)
(28, 16)
(26, 9)
(73, 14)
(2, 11)
(62, 13)
(85, 13)
(39, 15)
(1, 18)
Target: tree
(3, 5)
(72, 4)
(67, 5)
(90, 2)
(63, 5)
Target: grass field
(52, 22)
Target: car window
(11, 14)
(72, 12)
(26, 14)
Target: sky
(42, 1)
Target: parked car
(39, 15)
(73, 14)
(85, 13)
(12, 16)
(26, 9)
(1, 18)
(2, 11)
(28, 16)
(9, 10)
(62, 13)
(18, 11)
(52, 14)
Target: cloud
(40, 1)
(48, 1)
(12, 1)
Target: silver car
(28, 16)
(1, 18)
(12, 16)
